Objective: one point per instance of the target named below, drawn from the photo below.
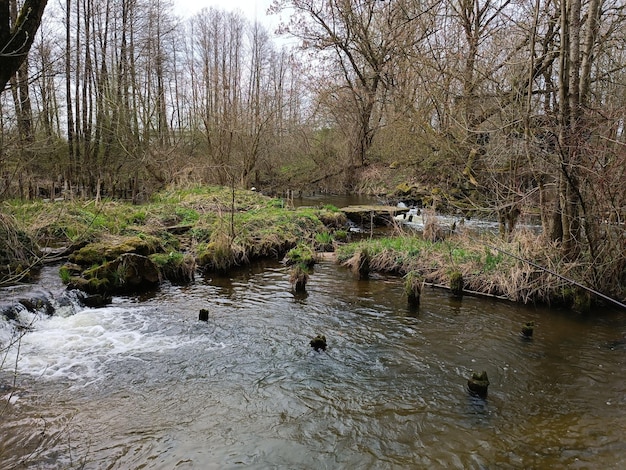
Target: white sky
(253, 9)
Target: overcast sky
(253, 9)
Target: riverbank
(115, 248)
(481, 261)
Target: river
(142, 383)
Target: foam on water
(78, 348)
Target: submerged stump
(362, 264)
(319, 343)
(204, 314)
(582, 301)
(527, 329)
(478, 384)
(456, 284)
(298, 277)
(413, 288)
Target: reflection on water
(144, 384)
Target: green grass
(65, 274)
(301, 255)
(186, 215)
(324, 238)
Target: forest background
(497, 107)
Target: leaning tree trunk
(17, 37)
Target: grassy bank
(114, 246)
(213, 228)
(481, 261)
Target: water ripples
(150, 385)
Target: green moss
(331, 217)
(88, 255)
(404, 188)
(175, 266)
(96, 253)
(163, 259)
(457, 283)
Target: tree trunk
(72, 164)
(17, 37)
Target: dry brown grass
(484, 262)
(18, 253)
(360, 264)
(433, 232)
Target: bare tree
(358, 41)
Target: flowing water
(143, 384)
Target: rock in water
(204, 314)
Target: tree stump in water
(204, 314)
(362, 266)
(319, 343)
(298, 277)
(457, 284)
(478, 384)
(413, 288)
(527, 329)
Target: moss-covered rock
(457, 284)
(126, 274)
(332, 217)
(413, 282)
(528, 329)
(108, 250)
